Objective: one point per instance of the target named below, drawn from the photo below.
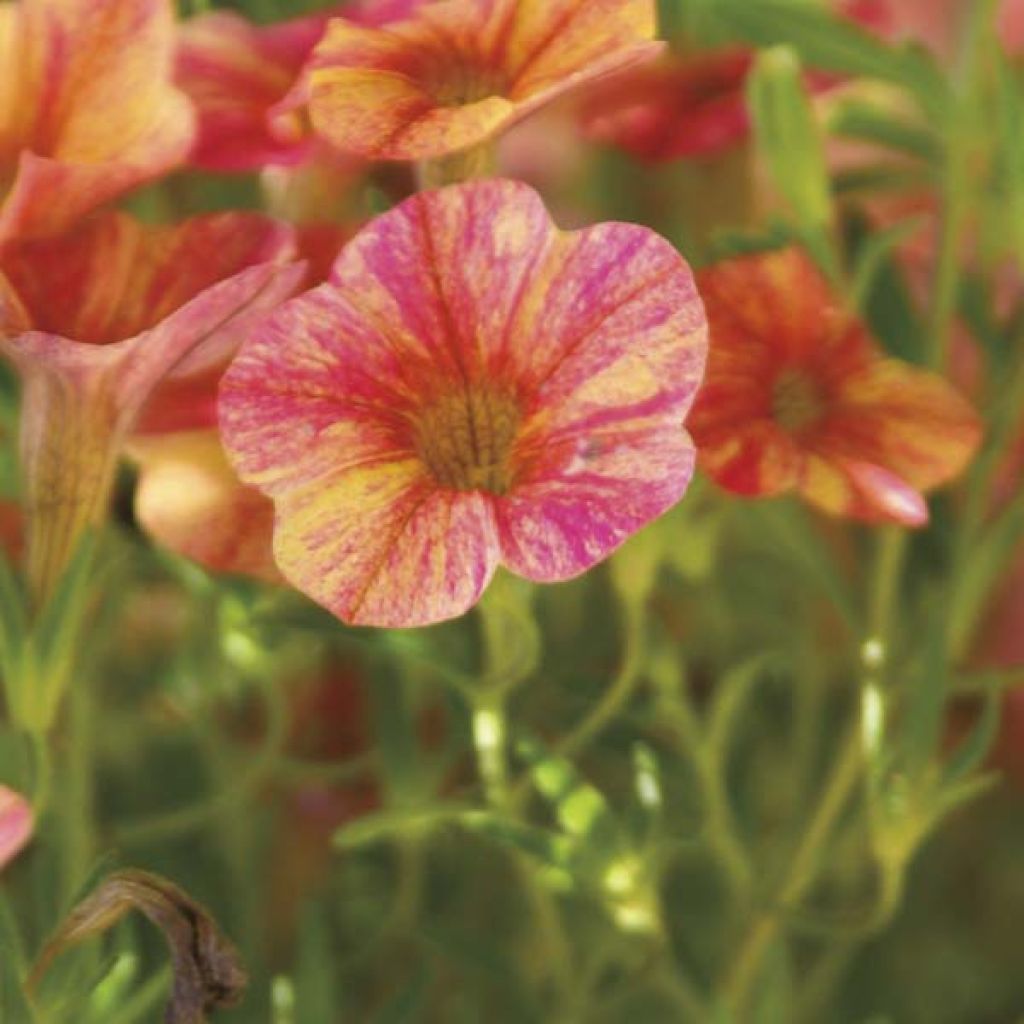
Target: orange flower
(459, 71)
(94, 321)
(798, 397)
(87, 108)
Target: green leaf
(858, 120)
(973, 750)
(830, 43)
(788, 135)
(386, 825)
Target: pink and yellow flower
(471, 387)
(459, 71)
(94, 321)
(799, 398)
(248, 85)
(16, 825)
(87, 107)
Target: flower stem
(476, 162)
(846, 772)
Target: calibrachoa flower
(16, 824)
(459, 71)
(247, 86)
(94, 321)
(799, 397)
(88, 108)
(470, 387)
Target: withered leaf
(208, 971)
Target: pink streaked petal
(332, 375)
(100, 113)
(861, 490)
(189, 500)
(478, 251)
(79, 402)
(579, 505)
(16, 824)
(605, 341)
(114, 277)
(379, 545)
(236, 73)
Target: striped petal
(88, 108)
(81, 396)
(470, 385)
(456, 73)
(190, 500)
(380, 545)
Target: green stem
(846, 772)
(618, 693)
(476, 162)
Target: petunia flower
(798, 397)
(94, 321)
(16, 825)
(470, 387)
(87, 107)
(246, 83)
(458, 72)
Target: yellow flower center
(796, 401)
(465, 438)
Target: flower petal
(100, 114)
(455, 73)
(115, 277)
(235, 72)
(189, 499)
(911, 421)
(379, 545)
(16, 824)
(861, 490)
(581, 503)
(81, 399)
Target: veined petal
(606, 342)
(81, 399)
(455, 73)
(189, 499)
(16, 824)
(96, 77)
(552, 42)
(115, 277)
(379, 545)
(861, 490)
(465, 360)
(585, 498)
(911, 421)
(235, 73)
(752, 458)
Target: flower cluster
(461, 385)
